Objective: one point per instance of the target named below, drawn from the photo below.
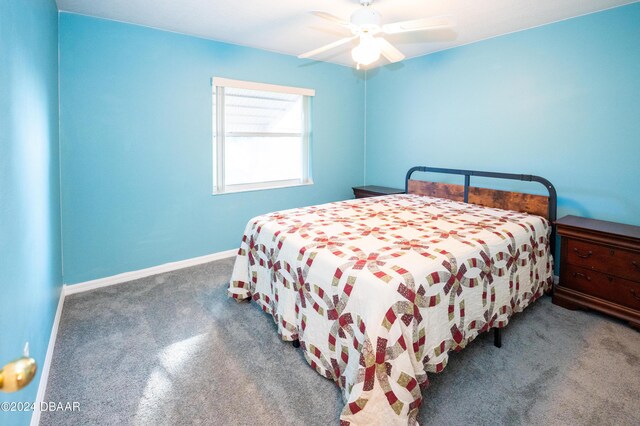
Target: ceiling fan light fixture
(366, 24)
(367, 52)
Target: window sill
(261, 188)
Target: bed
(377, 291)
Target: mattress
(379, 290)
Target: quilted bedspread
(379, 290)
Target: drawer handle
(581, 275)
(635, 265)
(636, 295)
(584, 256)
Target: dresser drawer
(619, 262)
(608, 287)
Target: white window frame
(218, 141)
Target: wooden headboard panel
(540, 205)
(517, 201)
(534, 204)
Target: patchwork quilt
(379, 290)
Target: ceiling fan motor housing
(367, 19)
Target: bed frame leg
(497, 337)
(296, 343)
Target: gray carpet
(173, 349)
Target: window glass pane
(262, 159)
(258, 111)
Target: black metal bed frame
(553, 203)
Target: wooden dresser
(374, 191)
(599, 267)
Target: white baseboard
(142, 273)
(44, 376)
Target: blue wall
(30, 258)
(561, 101)
(135, 111)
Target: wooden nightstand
(374, 191)
(599, 267)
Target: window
(260, 137)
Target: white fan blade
(389, 51)
(432, 23)
(332, 18)
(327, 47)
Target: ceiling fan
(366, 24)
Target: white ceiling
(285, 26)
